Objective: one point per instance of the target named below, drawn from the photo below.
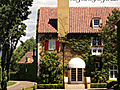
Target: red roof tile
(29, 55)
(79, 18)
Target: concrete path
(20, 85)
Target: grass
(10, 83)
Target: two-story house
(54, 23)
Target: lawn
(9, 84)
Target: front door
(76, 75)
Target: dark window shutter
(57, 45)
(46, 45)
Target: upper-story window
(96, 46)
(96, 22)
(96, 41)
(113, 72)
(52, 45)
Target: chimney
(63, 17)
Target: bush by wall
(98, 85)
(49, 86)
(111, 83)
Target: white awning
(76, 63)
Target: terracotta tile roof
(29, 55)
(79, 18)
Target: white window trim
(49, 43)
(97, 48)
(96, 26)
(77, 77)
(113, 73)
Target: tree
(110, 37)
(18, 54)
(13, 13)
(50, 69)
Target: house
(56, 23)
(27, 64)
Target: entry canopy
(76, 63)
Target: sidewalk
(20, 85)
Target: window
(96, 65)
(96, 46)
(27, 59)
(113, 72)
(96, 41)
(96, 50)
(96, 22)
(52, 45)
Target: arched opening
(76, 66)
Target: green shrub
(116, 87)
(31, 87)
(98, 85)
(49, 86)
(111, 83)
(13, 76)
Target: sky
(31, 22)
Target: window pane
(115, 67)
(96, 65)
(96, 22)
(94, 42)
(99, 50)
(99, 42)
(73, 74)
(111, 67)
(79, 74)
(115, 74)
(111, 74)
(52, 45)
(94, 50)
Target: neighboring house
(81, 21)
(27, 70)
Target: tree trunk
(3, 65)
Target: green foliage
(98, 76)
(50, 86)
(11, 83)
(98, 85)
(111, 83)
(78, 42)
(13, 13)
(109, 36)
(34, 87)
(30, 75)
(50, 69)
(18, 54)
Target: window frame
(52, 43)
(93, 21)
(114, 70)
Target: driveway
(20, 85)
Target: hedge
(98, 85)
(49, 86)
(111, 83)
(34, 87)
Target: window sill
(112, 78)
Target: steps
(76, 86)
